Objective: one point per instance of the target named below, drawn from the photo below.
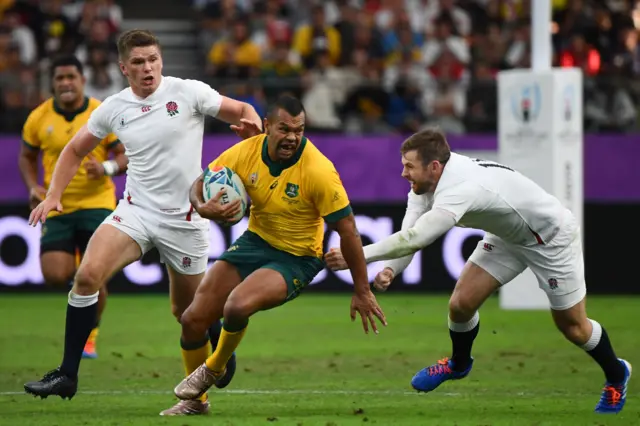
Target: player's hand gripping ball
(223, 178)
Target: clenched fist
(383, 279)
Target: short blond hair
(135, 38)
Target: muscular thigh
(213, 292)
(250, 254)
(182, 289)
(58, 248)
(109, 250)
(498, 259)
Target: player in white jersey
(525, 227)
(160, 122)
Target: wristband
(110, 167)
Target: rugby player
(524, 227)
(90, 196)
(294, 190)
(160, 122)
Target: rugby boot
(198, 383)
(55, 382)
(190, 407)
(613, 395)
(431, 377)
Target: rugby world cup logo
(526, 102)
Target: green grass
(307, 364)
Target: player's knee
(461, 308)
(576, 331)
(237, 309)
(88, 280)
(57, 278)
(190, 321)
(177, 311)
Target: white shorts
(558, 265)
(183, 244)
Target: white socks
(78, 301)
(596, 334)
(463, 327)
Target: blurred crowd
(361, 66)
(34, 31)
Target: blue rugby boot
(614, 395)
(431, 377)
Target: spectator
(236, 55)
(22, 36)
(314, 39)
(443, 38)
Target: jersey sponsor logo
(253, 178)
(172, 108)
(487, 247)
(336, 196)
(117, 219)
(273, 185)
(292, 190)
(146, 108)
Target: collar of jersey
(275, 168)
(70, 115)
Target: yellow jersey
(290, 201)
(49, 129)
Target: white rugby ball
(220, 177)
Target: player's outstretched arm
(428, 228)
(244, 119)
(82, 143)
(363, 301)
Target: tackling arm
(427, 229)
(70, 159)
(416, 207)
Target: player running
(160, 122)
(525, 227)
(90, 197)
(294, 190)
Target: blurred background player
(89, 198)
(294, 190)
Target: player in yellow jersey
(89, 198)
(294, 190)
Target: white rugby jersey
(162, 135)
(503, 202)
(475, 194)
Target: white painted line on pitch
(246, 392)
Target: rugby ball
(219, 177)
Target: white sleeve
(208, 100)
(428, 228)
(99, 123)
(456, 199)
(417, 205)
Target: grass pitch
(307, 364)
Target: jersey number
(485, 163)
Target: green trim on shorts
(337, 215)
(250, 253)
(29, 146)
